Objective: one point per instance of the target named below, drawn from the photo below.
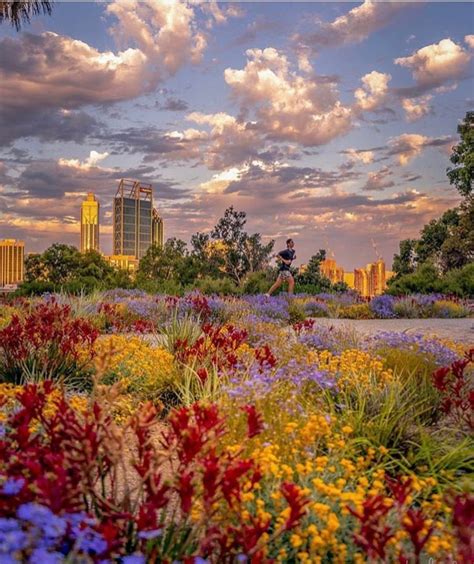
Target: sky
(331, 123)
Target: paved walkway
(461, 330)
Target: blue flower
(152, 534)
(13, 486)
(90, 542)
(12, 537)
(35, 513)
(40, 555)
(133, 559)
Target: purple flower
(133, 559)
(41, 555)
(13, 486)
(152, 534)
(382, 306)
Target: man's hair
(288, 241)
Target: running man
(284, 273)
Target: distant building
(136, 224)
(372, 280)
(12, 262)
(157, 235)
(124, 262)
(330, 269)
(361, 282)
(90, 224)
(349, 279)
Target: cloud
(360, 155)
(378, 180)
(416, 108)
(165, 32)
(435, 65)
(41, 76)
(469, 40)
(354, 26)
(288, 106)
(92, 161)
(373, 91)
(407, 146)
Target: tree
(434, 235)
(405, 261)
(312, 276)
(462, 157)
(164, 263)
(208, 256)
(35, 269)
(61, 262)
(244, 253)
(19, 12)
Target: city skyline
(331, 123)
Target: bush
(219, 286)
(47, 344)
(256, 283)
(356, 311)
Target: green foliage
(296, 311)
(63, 267)
(426, 279)
(220, 286)
(257, 282)
(244, 253)
(169, 262)
(312, 278)
(19, 12)
(356, 311)
(462, 157)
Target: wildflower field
(138, 428)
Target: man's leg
(275, 286)
(291, 285)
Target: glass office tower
(133, 218)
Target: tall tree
(164, 263)
(462, 157)
(244, 253)
(19, 12)
(405, 261)
(61, 262)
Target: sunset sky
(331, 123)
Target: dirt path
(461, 330)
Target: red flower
(463, 522)
(297, 502)
(185, 491)
(254, 421)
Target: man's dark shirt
(287, 254)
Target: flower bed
(157, 429)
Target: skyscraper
(136, 224)
(90, 224)
(157, 229)
(12, 258)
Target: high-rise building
(371, 280)
(90, 224)
(330, 269)
(136, 224)
(157, 235)
(12, 262)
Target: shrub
(356, 311)
(218, 286)
(46, 344)
(383, 306)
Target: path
(461, 330)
